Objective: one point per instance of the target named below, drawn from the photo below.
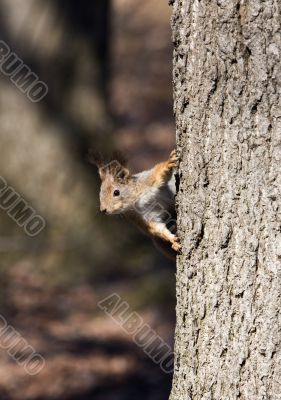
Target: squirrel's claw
(173, 159)
(176, 245)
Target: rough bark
(227, 88)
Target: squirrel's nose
(103, 210)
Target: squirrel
(146, 198)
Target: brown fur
(135, 195)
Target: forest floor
(88, 355)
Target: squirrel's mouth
(119, 211)
(114, 212)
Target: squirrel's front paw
(176, 245)
(173, 160)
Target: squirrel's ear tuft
(115, 168)
(120, 157)
(95, 158)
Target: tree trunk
(227, 88)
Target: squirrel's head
(117, 194)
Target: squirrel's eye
(116, 192)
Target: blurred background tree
(108, 70)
